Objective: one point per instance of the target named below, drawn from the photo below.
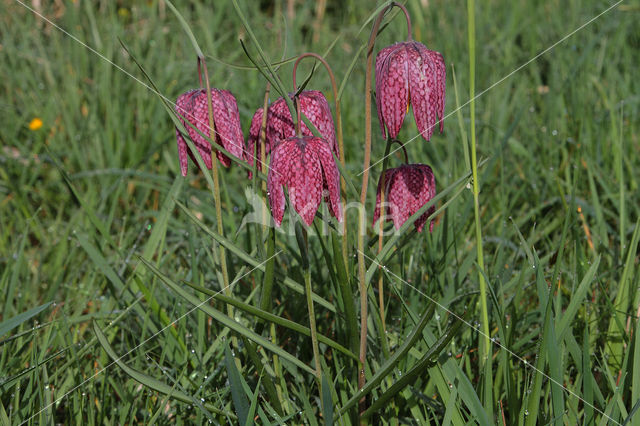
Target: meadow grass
(111, 304)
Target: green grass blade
(327, 401)
(13, 322)
(147, 380)
(186, 28)
(392, 362)
(268, 316)
(297, 287)
(225, 320)
(417, 370)
(239, 398)
(617, 338)
(577, 300)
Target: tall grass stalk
(485, 342)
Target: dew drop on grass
(526, 412)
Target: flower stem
(336, 98)
(216, 188)
(362, 217)
(406, 15)
(485, 347)
(383, 209)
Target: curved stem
(406, 156)
(406, 15)
(336, 98)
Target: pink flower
(407, 189)
(193, 106)
(408, 73)
(305, 165)
(280, 126)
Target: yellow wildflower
(35, 124)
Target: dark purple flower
(306, 166)
(408, 73)
(407, 189)
(192, 105)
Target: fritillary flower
(280, 126)
(407, 189)
(193, 106)
(306, 167)
(408, 73)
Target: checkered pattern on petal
(408, 73)
(330, 175)
(407, 189)
(193, 107)
(305, 166)
(226, 120)
(392, 88)
(195, 112)
(314, 106)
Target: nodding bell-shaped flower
(408, 73)
(305, 165)
(407, 189)
(280, 126)
(193, 106)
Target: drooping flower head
(408, 73)
(193, 106)
(281, 126)
(307, 168)
(407, 189)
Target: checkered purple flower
(193, 106)
(408, 73)
(407, 189)
(280, 126)
(306, 167)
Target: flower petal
(190, 106)
(388, 177)
(227, 124)
(278, 175)
(331, 175)
(314, 106)
(305, 187)
(392, 88)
